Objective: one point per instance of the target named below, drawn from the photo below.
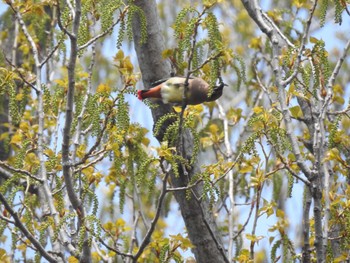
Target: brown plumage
(171, 91)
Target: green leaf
(296, 112)
(313, 40)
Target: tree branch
(229, 153)
(331, 80)
(107, 31)
(40, 151)
(43, 62)
(255, 12)
(25, 231)
(66, 162)
(180, 146)
(26, 33)
(150, 231)
(302, 46)
(16, 170)
(66, 159)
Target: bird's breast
(171, 93)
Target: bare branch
(99, 136)
(229, 153)
(184, 188)
(133, 238)
(93, 162)
(254, 11)
(43, 62)
(246, 222)
(302, 46)
(211, 58)
(238, 157)
(305, 181)
(21, 75)
(7, 220)
(25, 231)
(59, 21)
(76, 136)
(16, 170)
(26, 33)
(150, 231)
(262, 86)
(66, 159)
(256, 216)
(279, 32)
(104, 257)
(185, 90)
(107, 31)
(71, 8)
(331, 80)
(66, 162)
(344, 111)
(115, 250)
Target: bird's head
(217, 92)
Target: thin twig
(344, 111)
(66, 161)
(211, 58)
(283, 36)
(262, 86)
(228, 169)
(25, 231)
(115, 250)
(256, 217)
(43, 62)
(133, 238)
(104, 257)
(76, 136)
(246, 222)
(229, 153)
(7, 220)
(20, 74)
(150, 231)
(302, 46)
(26, 33)
(184, 188)
(59, 21)
(185, 91)
(332, 78)
(99, 136)
(16, 170)
(93, 162)
(107, 31)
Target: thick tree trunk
(199, 220)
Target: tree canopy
(88, 173)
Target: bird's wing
(160, 81)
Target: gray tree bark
(199, 220)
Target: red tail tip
(139, 95)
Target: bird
(170, 91)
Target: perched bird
(171, 91)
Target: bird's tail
(151, 93)
(140, 94)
